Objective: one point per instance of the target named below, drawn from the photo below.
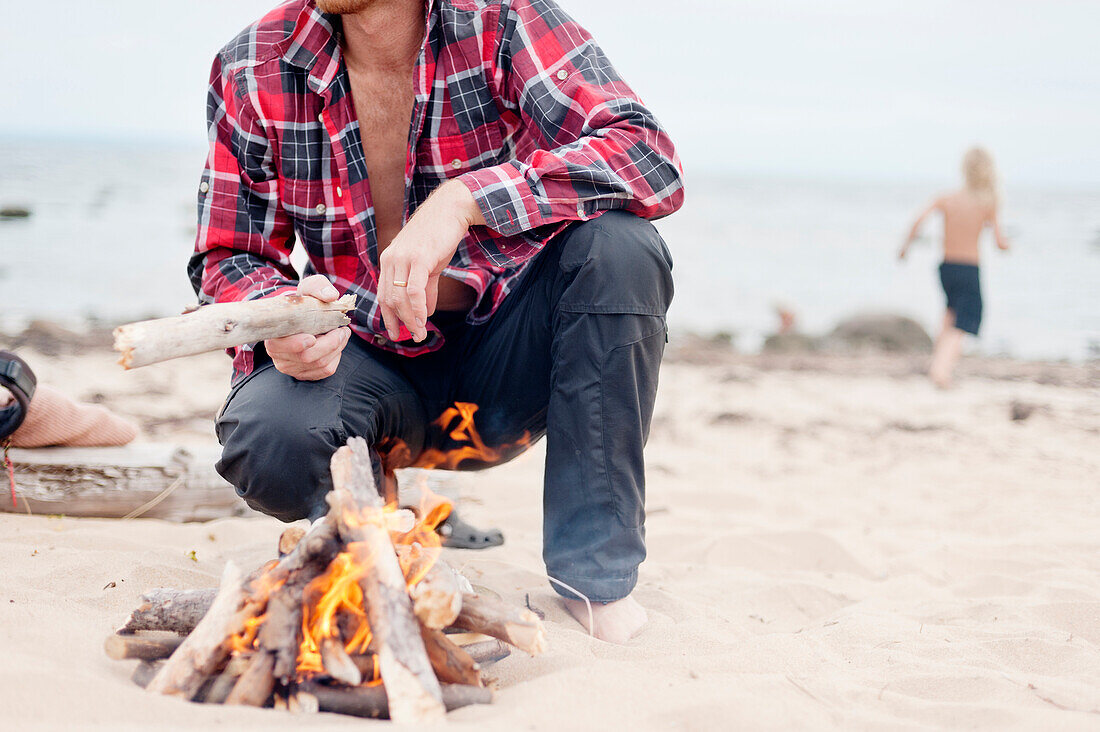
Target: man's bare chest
(383, 105)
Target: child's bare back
(965, 215)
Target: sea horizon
(112, 225)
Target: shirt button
(563, 75)
(580, 210)
(321, 118)
(380, 340)
(320, 208)
(339, 191)
(204, 187)
(456, 163)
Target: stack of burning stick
(351, 619)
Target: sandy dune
(830, 546)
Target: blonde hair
(981, 175)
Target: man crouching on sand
(479, 177)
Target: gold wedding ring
(400, 283)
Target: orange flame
(333, 602)
(464, 431)
(246, 640)
(330, 601)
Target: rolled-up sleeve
(593, 144)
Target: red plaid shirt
(512, 97)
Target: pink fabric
(54, 419)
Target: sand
(833, 544)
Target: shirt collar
(314, 44)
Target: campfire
(357, 615)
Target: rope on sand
(156, 501)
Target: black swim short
(964, 294)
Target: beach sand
(832, 544)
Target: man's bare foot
(615, 622)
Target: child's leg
(946, 353)
(947, 324)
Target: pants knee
(277, 462)
(620, 265)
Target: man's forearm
(456, 195)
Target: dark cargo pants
(573, 353)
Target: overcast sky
(892, 89)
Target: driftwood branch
(151, 480)
(487, 652)
(518, 626)
(437, 598)
(145, 671)
(178, 611)
(255, 685)
(218, 690)
(120, 647)
(413, 690)
(227, 325)
(451, 663)
(338, 664)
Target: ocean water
(112, 227)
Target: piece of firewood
(222, 684)
(145, 671)
(200, 654)
(412, 688)
(307, 703)
(120, 646)
(208, 693)
(338, 664)
(289, 539)
(178, 611)
(487, 652)
(281, 631)
(371, 701)
(451, 663)
(437, 598)
(227, 325)
(367, 663)
(518, 626)
(319, 545)
(255, 685)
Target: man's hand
(307, 357)
(417, 256)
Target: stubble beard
(343, 7)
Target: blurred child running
(966, 213)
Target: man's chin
(342, 7)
